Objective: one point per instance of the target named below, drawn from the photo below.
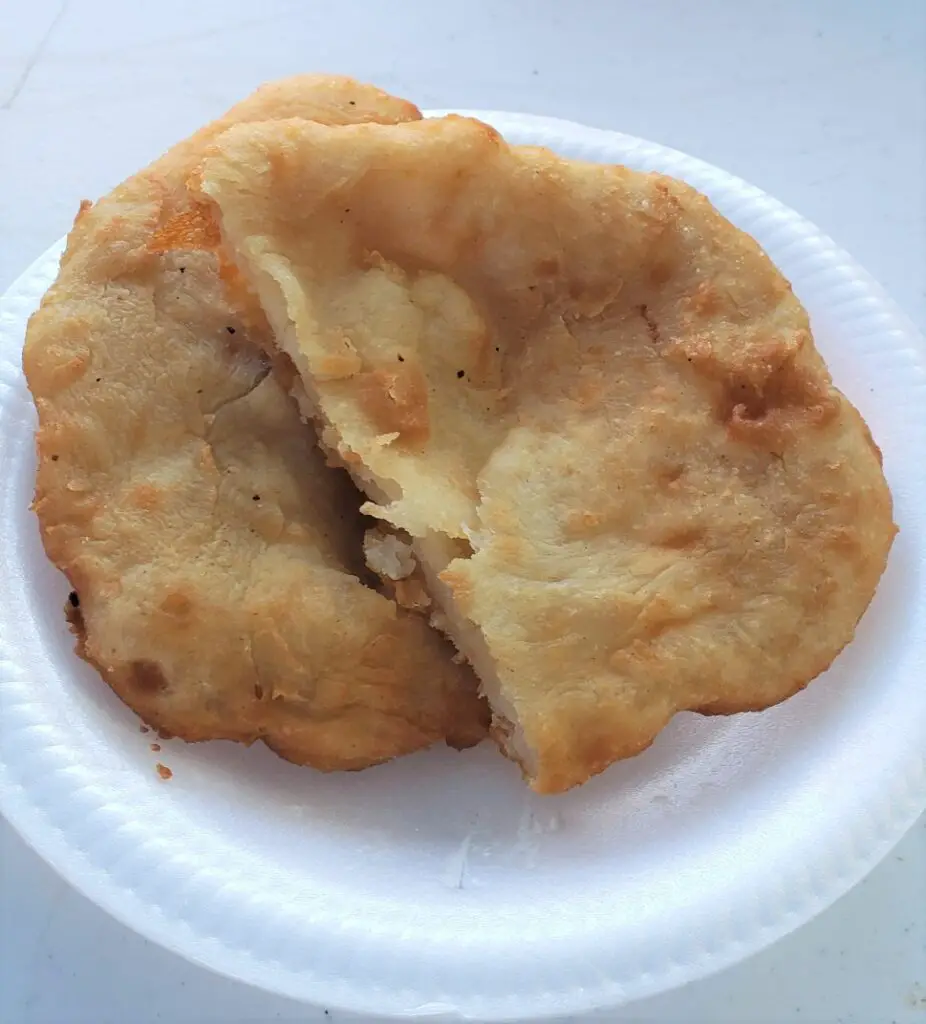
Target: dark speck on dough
(74, 599)
(231, 330)
(148, 676)
(461, 374)
(651, 326)
(255, 497)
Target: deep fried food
(217, 562)
(594, 404)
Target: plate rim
(906, 804)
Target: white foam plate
(438, 884)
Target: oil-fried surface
(217, 561)
(596, 381)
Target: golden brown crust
(671, 507)
(216, 560)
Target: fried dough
(216, 560)
(594, 404)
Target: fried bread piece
(217, 561)
(593, 403)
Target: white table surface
(823, 104)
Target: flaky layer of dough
(216, 560)
(595, 405)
